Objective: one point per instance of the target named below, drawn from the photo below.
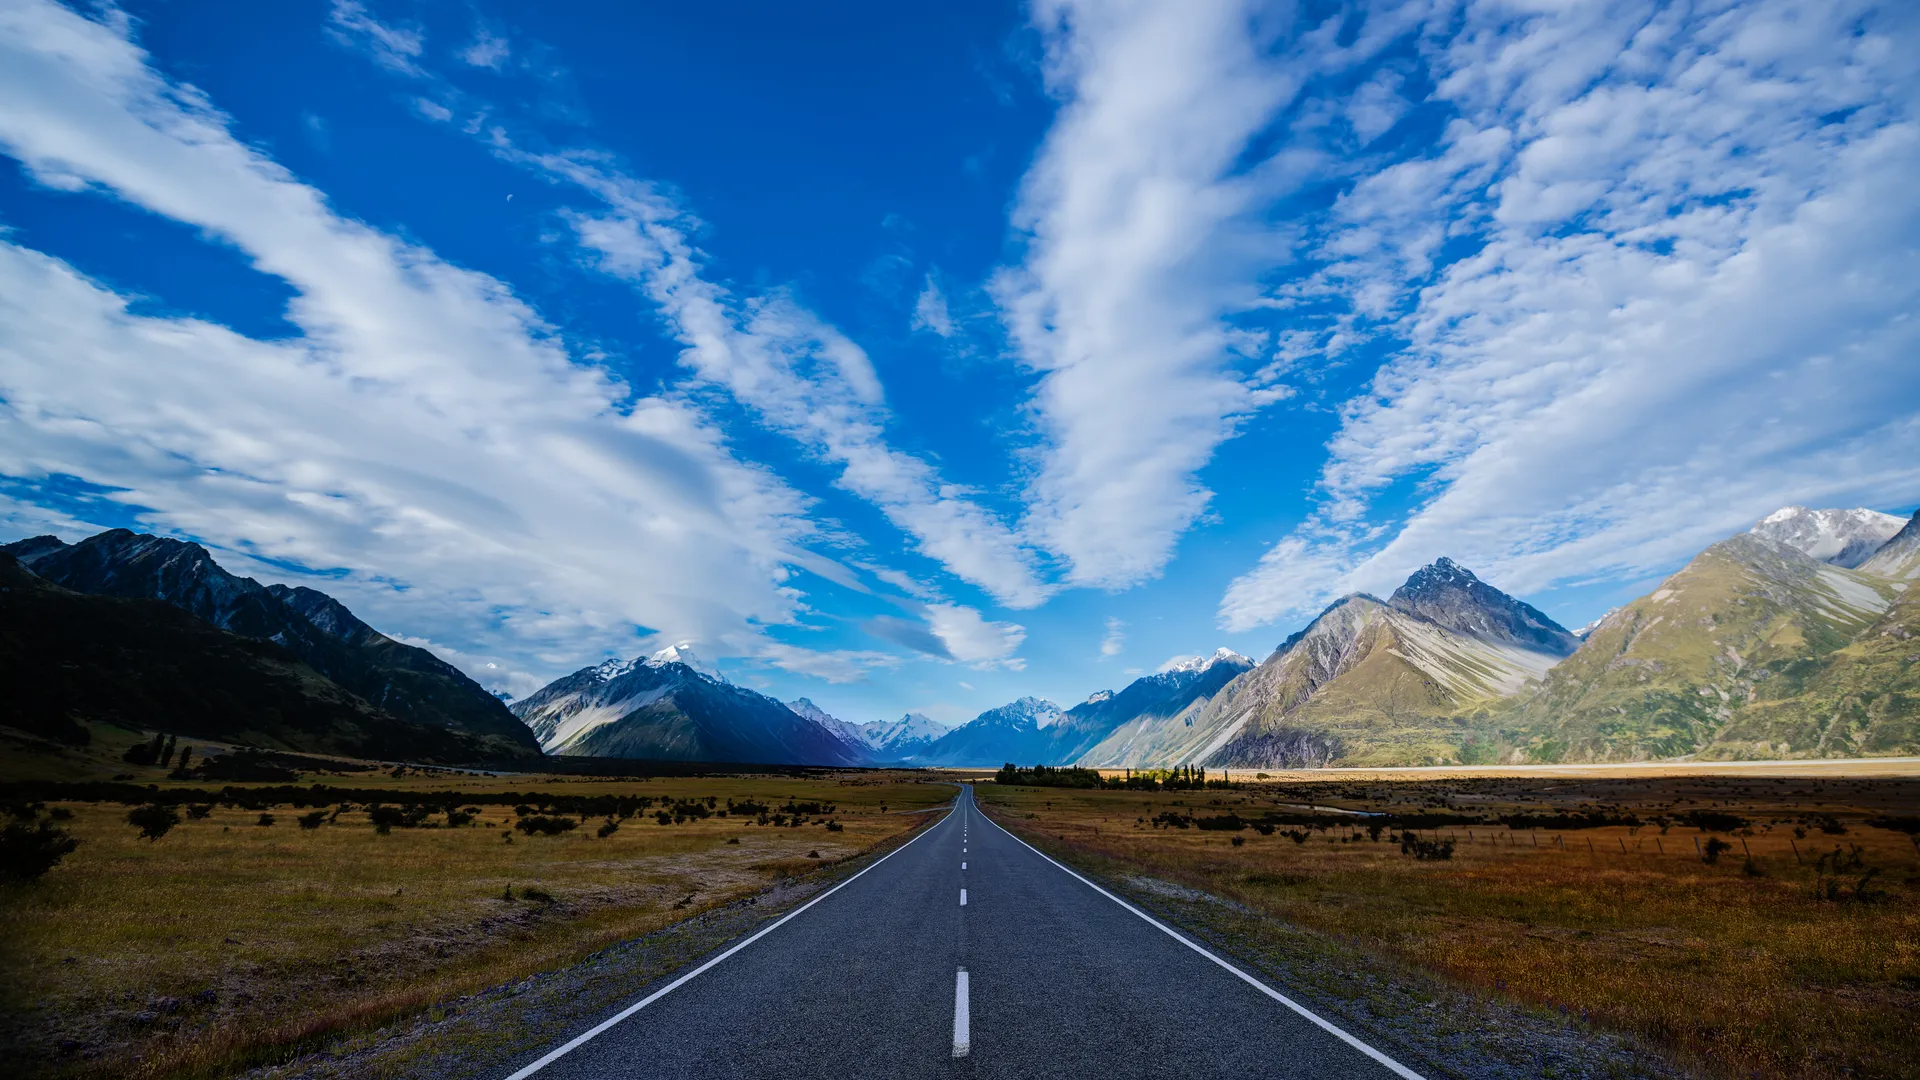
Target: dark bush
(199, 811)
(607, 828)
(536, 894)
(1713, 820)
(458, 818)
(312, 821)
(1714, 849)
(266, 819)
(29, 850)
(1222, 823)
(153, 820)
(1425, 849)
(546, 826)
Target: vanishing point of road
(963, 953)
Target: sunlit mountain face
(914, 362)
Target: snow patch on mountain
(1202, 663)
(1845, 538)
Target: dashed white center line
(963, 898)
(963, 864)
(962, 1037)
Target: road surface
(964, 953)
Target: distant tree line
(1178, 778)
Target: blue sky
(909, 359)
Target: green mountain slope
(1749, 621)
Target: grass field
(227, 942)
(1796, 954)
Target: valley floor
(230, 942)
(1795, 953)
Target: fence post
(1696, 847)
(1797, 861)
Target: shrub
(1425, 849)
(1714, 849)
(607, 828)
(29, 850)
(458, 818)
(311, 821)
(266, 819)
(1238, 840)
(546, 826)
(535, 893)
(1713, 820)
(834, 826)
(153, 820)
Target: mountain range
(1793, 639)
(406, 683)
(670, 706)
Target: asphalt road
(1060, 980)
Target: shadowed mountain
(406, 681)
(67, 657)
(1016, 731)
(1103, 730)
(664, 707)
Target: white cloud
(1145, 224)
(425, 433)
(432, 110)
(487, 50)
(1693, 304)
(395, 48)
(799, 375)
(971, 639)
(930, 310)
(1114, 642)
(834, 666)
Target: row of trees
(1178, 778)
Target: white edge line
(1325, 1025)
(581, 1039)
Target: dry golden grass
(227, 943)
(1736, 974)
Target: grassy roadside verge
(1765, 967)
(228, 944)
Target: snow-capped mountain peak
(1202, 663)
(1843, 538)
(682, 653)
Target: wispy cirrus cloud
(1687, 299)
(795, 372)
(1148, 220)
(424, 435)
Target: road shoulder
(488, 1034)
(1434, 1027)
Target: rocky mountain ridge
(408, 682)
